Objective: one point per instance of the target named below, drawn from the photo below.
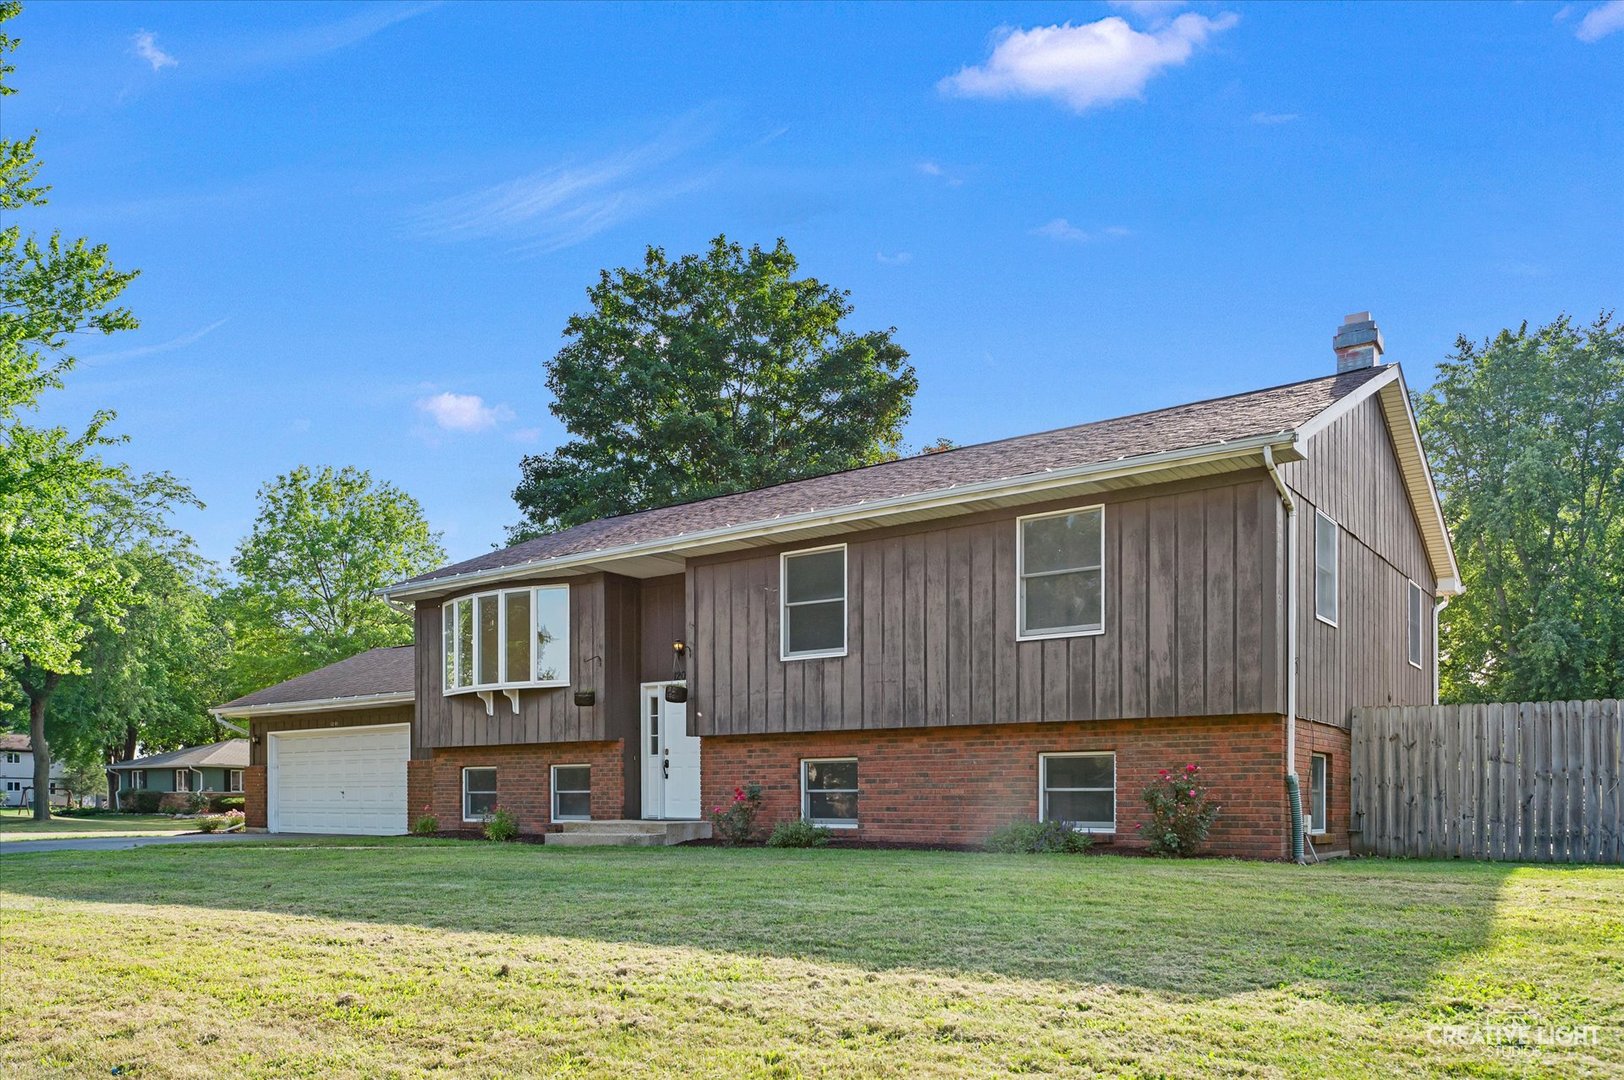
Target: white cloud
(896, 259)
(567, 203)
(1084, 66)
(463, 412)
(1601, 21)
(936, 171)
(145, 44)
(1270, 119)
(1062, 230)
(1154, 12)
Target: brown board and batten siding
(1351, 474)
(314, 721)
(1191, 596)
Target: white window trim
(1336, 556)
(1043, 787)
(1415, 599)
(1021, 634)
(234, 779)
(448, 679)
(466, 769)
(806, 807)
(784, 605)
(552, 791)
(1316, 827)
(187, 773)
(138, 780)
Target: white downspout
(1291, 619)
(1438, 605)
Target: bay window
(505, 639)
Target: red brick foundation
(954, 785)
(1337, 745)
(253, 791)
(523, 781)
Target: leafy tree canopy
(1526, 437)
(706, 375)
(324, 542)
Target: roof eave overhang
(1142, 468)
(336, 704)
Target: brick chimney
(1358, 343)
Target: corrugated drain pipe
(1294, 795)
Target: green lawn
(406, 958)
(15, 826)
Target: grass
(15, 826)
(407, 957)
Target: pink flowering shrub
(735, 823)
(1181, 812)
(426, 824)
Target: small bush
(81, 811)
(735, 823)
(500, 825)
(234, 817)
(798, 834)
(426, 825)
(140, 801)
(196, 802)
(1181, 813)
(1038, 838)
(210, 824)
(221, 804)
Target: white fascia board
(291, 708)
(1031, 483)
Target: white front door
(670, 758)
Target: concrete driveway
(119, 843)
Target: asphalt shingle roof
(388, 670)
(230, 754)
(16, 741)
(1274, 410)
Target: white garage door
(348, 780)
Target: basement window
(572, 793)
(506, 639)
(813, 608)
(1078, 790)
(1326, 568)
(1418, 607)
(1060, 571)
(829, 792)
(478, 794)
(1319, 771)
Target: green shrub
(798, 834)
(210, 824)
(1038, 838)
(735, 823)
(426, 825)
(140, 801)
(81, 811)
(224, 804)
(500, 825)
(1181, 813)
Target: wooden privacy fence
(1537, 781)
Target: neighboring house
(17, 773)
(217, 767)
(921, 650)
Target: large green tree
(324, 542)
(705, 375)
(1526, 437)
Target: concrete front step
(628, 833)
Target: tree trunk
(42, 755)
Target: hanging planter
(586, 698)
(677, 693)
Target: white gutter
(292, 708)
(1437, 609)
(1291, 612)
(223, 722)
(1030, 484)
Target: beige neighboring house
(17, 773)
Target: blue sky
(362, 227)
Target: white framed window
(1060, 573)
(1327, 571)
(138, 779)
(572, 792)
(14, 785)
(505, 639)
(1418, 622)
(812, 604)
(829, 792)
(234, 779)
(478, 793)
(183, 780)
(13, 758)
(1319, 773)
(1078, 789)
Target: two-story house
(17, 772)
(921, 650)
